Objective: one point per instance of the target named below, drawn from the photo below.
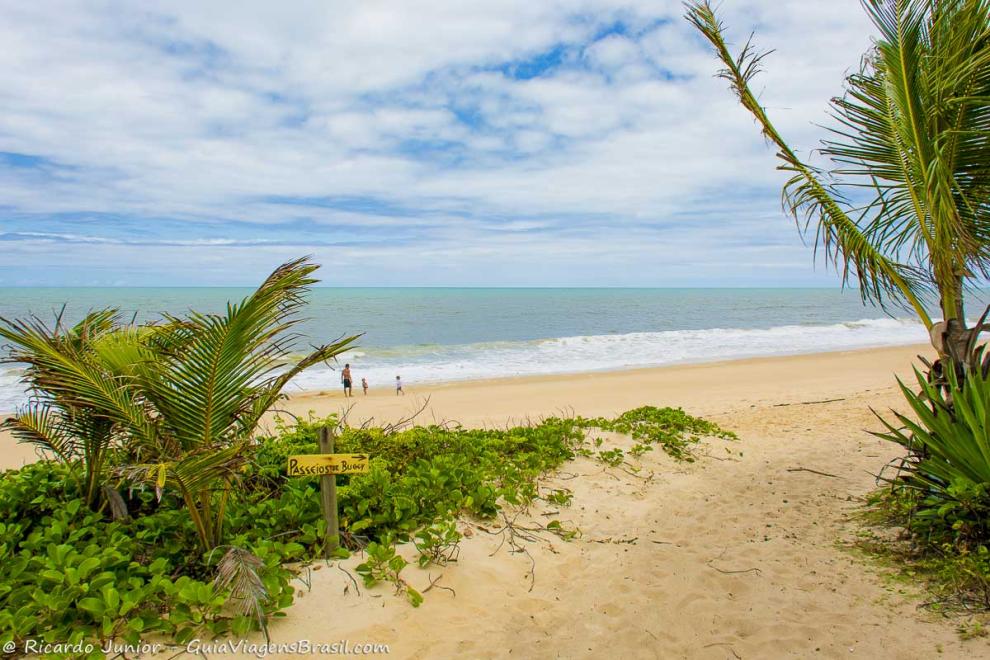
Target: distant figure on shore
(345, 378)
(364, 386)
(398, 387)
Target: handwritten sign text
(312, 465)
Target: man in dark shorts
(345, 378)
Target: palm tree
(181, 398)
(61, 361)
(913, 141)
(209, 390)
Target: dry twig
(806, 403)
(433, 583)
(804, 469)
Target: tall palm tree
(181, 398)
(913, 141)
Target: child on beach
(398, 387)
(364, 386)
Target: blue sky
(420, 143)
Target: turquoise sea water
(439, 334)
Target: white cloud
(199, 112)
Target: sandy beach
(737, 555)
(742, 554)
(703, 389)
(548, 248)
(715, 388)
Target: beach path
(742, 554)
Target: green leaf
(94, 606)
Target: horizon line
(430, 286)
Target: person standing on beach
(364, 386)
(345, 378)
(398, 387)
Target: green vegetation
(68, 572)
(163, 514)
(905, 208)
(385, 565)
(438, 544)
(671, 428)
(171, 404)
(955, 573)
(941, 494)
(948, 467)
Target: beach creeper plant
(904, 210)
(180, 399)
(73, 574)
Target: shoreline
(702, 388)
(592, 373)
(749, 548)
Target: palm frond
(270, 391)
(808, 197)
(202, 470)
(913, 125)
(193, 472)
(238, 572)
(95, 324)
(62, 371)
(200, 393)
(118, 508)
(169, 338)
(43, 427)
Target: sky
(495, 143)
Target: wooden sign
(312, 465)
(326, 464)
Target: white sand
(739, 555)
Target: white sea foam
(431, 363)
(11, 391)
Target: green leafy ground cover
(69, 573)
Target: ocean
(444, 334)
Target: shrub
(70, 573)
(948, 462)
(941, 494)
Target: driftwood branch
(806, 403)
(804, 469)
(348, 574)
(727, 571)
(402, 423)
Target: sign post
(327, 465)
(328, 496)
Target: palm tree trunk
(952, 338)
